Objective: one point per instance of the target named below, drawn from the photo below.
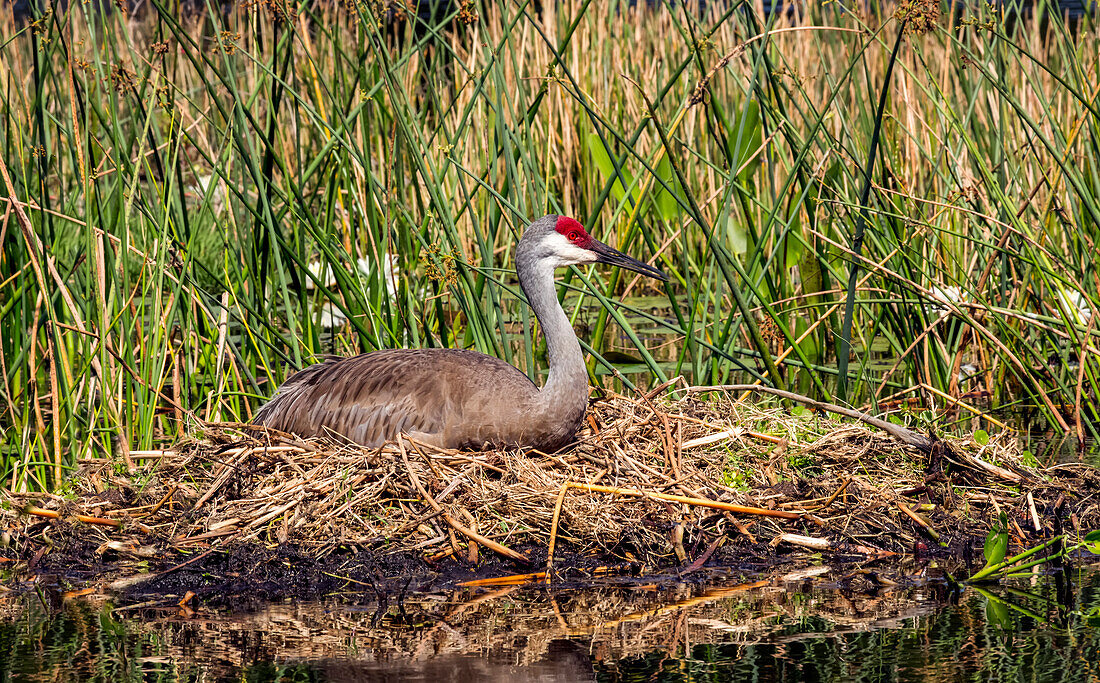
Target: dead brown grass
(651, 482)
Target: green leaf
(981, 437)
(996, 545)
(664, 200)
(1092, 541)
(1028, 459)
(737, 235)
(998, 614)
(794, 247)
(809, 343)
(809, 268)
(1092, 617)
(745, 137)
(607, 169)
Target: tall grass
(199, 202)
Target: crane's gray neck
(566, 389)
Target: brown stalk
(227, 471)
(1035, 523)
(161, 502)
(741, 528)
(921, 523)
(472, 553)
(826, 501)
(991, 468)
(86, 519)
(451, 521)
(510, 580)
(699, 502)
(1082, 361)
(554, 531)
(702, 559)
(205, 536)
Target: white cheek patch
(567, 253)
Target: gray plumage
(455, 398)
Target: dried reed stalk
(638, 456)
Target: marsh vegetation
(198, 201)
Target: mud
(249, 576)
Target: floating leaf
(981, 437)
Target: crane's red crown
(573, 231)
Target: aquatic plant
(1059, 548)
(188, 194)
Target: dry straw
(651, 483)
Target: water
(829, 628)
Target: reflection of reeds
(731, 629)
(174, 176)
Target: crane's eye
(574, 236)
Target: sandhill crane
(455, 398)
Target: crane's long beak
(614, 257)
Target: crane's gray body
(447, 397)
(455, 398)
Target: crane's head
(563, 241)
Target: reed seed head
(439, 266)
(468, 13)
(227, 41)
(920, 16)
(123, 79)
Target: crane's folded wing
(373, 397)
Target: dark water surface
(814, 626)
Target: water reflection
(802, 628)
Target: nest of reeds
(651, 484)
